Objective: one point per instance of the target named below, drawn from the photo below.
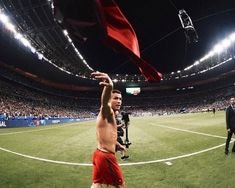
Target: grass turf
(76, 142)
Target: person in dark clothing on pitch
(120, 134)
(126, 120)
(230, 124)
(213, 110)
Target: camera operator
(126, 120)
(120, 133)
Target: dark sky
(161, 39)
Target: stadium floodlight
(25, 42)
(4, 19)
(51, 3)
(65, 32)
(40, 56)
(189, 67)
(75, 49)
(203, 71)
(10, 27)
(232, 37)
(69, 39)
(18, 36)
(207, 56)
(226, 43)
(33, 50)
(218, 48)
(211, 53)
(196, 63)
(115, 80)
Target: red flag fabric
(113, 29)
(121, 35)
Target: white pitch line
(129, 164)
(45, 160)
(188, 131)
(37, 130)
(122, 164)
(172, 158)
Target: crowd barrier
(32, 122)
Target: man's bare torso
(106, 132)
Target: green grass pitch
(190, 141)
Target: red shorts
(106, 169)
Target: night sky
(161, 38)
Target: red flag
(120, 35)
(109, 24)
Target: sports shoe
(124, 157)
(226, 153)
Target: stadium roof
(161, 37)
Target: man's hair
(116, 91)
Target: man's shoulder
(106, 111)
(106, 117)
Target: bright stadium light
(18, 36)
(8, 25)
(115, 80)
(33, 50)
(25, 42)
(4, 19)
(69, 39)
(40, 56)
(65, 32)
(232, 37)
(188, 68)
(217, 49)
(75, 49)
(226, 43)
(196, 63)
(211, 53)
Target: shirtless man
(105, 166)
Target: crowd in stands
(202, 101)
(20, 101)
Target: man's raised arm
(106, 94)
